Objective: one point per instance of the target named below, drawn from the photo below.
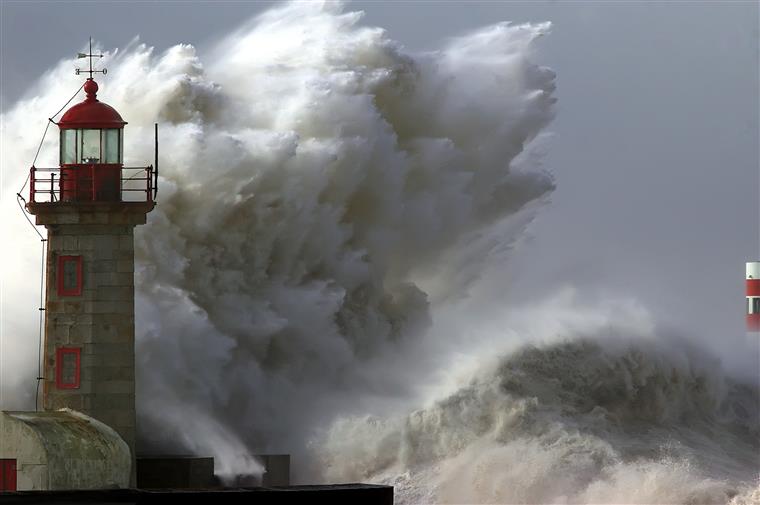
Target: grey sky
(656, 137)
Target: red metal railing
(50, 185)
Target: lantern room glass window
(91, 145)
(68, 146)
(110, 146)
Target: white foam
(311, 171)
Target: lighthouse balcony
(91, 194)
(91, 183)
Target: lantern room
(91, 159)
(91, 150)
(91, 131)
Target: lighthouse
(90, 205)
(753, 296)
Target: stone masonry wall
(100, 322)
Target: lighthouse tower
(90, 206)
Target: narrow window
(69, 275)
(755, 309)
(67, 367)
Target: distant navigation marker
(753, 296)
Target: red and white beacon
(753, 296)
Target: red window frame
(77, 290)
(76, 351)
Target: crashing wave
(581, 421)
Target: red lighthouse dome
(91, 113)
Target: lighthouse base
(61, 450)
(339, 494)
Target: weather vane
(91, 56)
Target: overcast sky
(655, 146)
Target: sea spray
(311, 169)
